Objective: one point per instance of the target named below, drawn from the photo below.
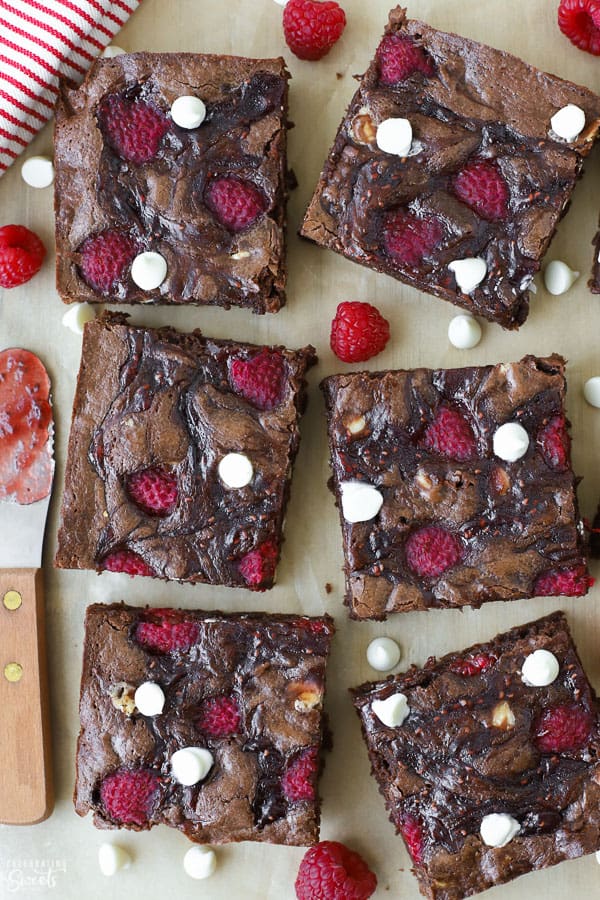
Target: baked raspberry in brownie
(454, 486)
(480, 173)
(180, 455)
(208, 198)
(488, 759)
(242, 692)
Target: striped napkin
(40, 42)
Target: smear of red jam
(26, 465)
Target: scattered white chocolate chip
(200, 862)
(191, 765)
(568, 122)
(111, 51)
(111, 858)
(591, 391)
(392, 711)
(122, 695)
(464, 332)
(598, 856)
(469, 273)
(77, 316)
(188, 111)
(383, 654)
(511, 441)
(241, 254)
(395, 136)
(235, 470)
(498, 829)
(38, 171)
(558, 277)
(356, 425)
(503, 716)
(150, 699)
(540, 668)
(360, 502)
(281, 2)
(149, 270)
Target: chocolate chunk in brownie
(594, 282)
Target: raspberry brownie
(488, 759)
(448, 171)
(454, 486)
(180, 456)
(171, 181)
(215, 721)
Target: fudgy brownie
(208, 198)
(206, 722)
(473, 170)
(454, 486)
(488, 759)
(595, 279)
(180, 454)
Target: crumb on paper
(328, 588)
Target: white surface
(568, 122)
(200, 862)
(510, 441)
(392, 711)
(361, 502)
(395, 136)
(149, 698)
(469, 273)
(464, 332)
(558, 277)
(235, 470)
(149, 270)
(383, 654)
(498, 829)
(540, 668)
(188, 111)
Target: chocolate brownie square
(454, 486)
(446, 171)
(180, 455)
(488, 759)
(209, 723)
(171, 181)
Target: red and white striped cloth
(41, 41)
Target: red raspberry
(127, 561)
(133, 128)
(220, 717)
(331, 871)
(432, 550)
(562, 728)
(236, 204)
(398, 57)
(299, 780)
(555, 443)
(129, 795)
(154, 490)
(165, 630)
(21, 255)
(407, 239)
(358, 331)
(412, 832)
(105, 258)
(579, 20)
(450, 435)
(481, 186)
(311, 27)
(573, 582)
(259, 379)
(473, 665)
(258, 566)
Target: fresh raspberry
(579, 20)
(236, 204)
(21, 255)
(399, 57)
(562, 728)
(311, 27)
(412, 832)
(432, 550)
(165, 630)
(358, 331)
(331, 871)
(298, 782)
(219, 717)
(573, 582)
(133, 128)
(105, 258)
(127, 561)
(473, 665)
(129, 795)
(259, 379)
(450, 435)
(407, 239)
(481, 186)
(154, 490)
(555, 443)
(258, 566)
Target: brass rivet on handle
(12, 600)
(13, 671)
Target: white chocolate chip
(149, 270)
(241, 254)
(38, 171)
(150, 699)
(111, 51)
(598, 856)
(591, 391)
(77, 316)
(558, 277)
(111, 858)
(235, 470)
(191, 765)
(568, 122)
(383, 654)
(469, 273)
(464, 332)
(188, 111)
(392, 711)
(511, 441)
(200, 862)
(356, 425)
(540, 668)
(498, 829)
(281, 2)
(395, 136)
(360, 502)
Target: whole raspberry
(407, 239)
(563, 728)
(473, 665)
(299, 780)
(154, 490)
(219, 717)
(236, 204)
(555, 443)
(480, 186)
(134, 128)
(129, 795)
(579, 20)
(358, 331)
(126, 561)
(21, 255)
(450, 435)
(399, 57)
(432, 550)
(164, 630)
(412, 832)
(312, 27)
(331, 871)
(573, 582)
(105, 257)
(259, 379)
(258, 566)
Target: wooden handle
(25, 762)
